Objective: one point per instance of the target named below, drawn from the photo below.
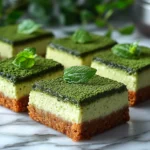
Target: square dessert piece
(12, 42)
(16, 83)
(79, 110)
(69, 53)
(134, 73)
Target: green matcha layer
(9, 35)
(67, 45)
(128, 65)
(134, 73)
(78, 103)
(15, 74)
(77, 54)
(79, 94)
(16, 83)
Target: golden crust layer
(138, 96)
(13, 104)
(81, 131)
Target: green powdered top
(78, 49)
(128, 65)
(10, 35)
(15, 74)
(80, 94)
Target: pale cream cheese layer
(67, 59)
(8, 50)
(133, 82)
(19, 90)
(72, 113)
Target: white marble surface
(19, 132)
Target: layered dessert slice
(71, 53)
(134, 73)
(79, 110)
(11, 42)
(16, 83)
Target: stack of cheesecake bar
(79, 110)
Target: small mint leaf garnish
(78, 74)
(28, 26)
(133, 48)
(26, 58)
(127, 30)
(81, 36)
(128, 51)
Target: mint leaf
(13, 17)
(108, 33)
(25, 59)
(100, 22)
(81, 36)
(101, 8)
(28, 53)
(28, 26)
(86, 16)
(127, 30)
(78, 74)
(133, 49)
(120, 4)
(128, 51)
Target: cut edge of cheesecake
(77, 121)
(16, 96)
(8, 50)
(83, 131)
(71, 60)
(16, 83)
(100, 108)
(12, 42)
(136, 83)
(79, 130)
(77, 54)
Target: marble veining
(19, 132)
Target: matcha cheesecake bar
(133, 72)
(16, 83)
(76, 50)
(79, 110)
(12, 42)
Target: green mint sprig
(25, 59)
(81, 36)
(28, 26)
(128, 51)
(78, 74)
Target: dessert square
(79, 110)
(69, 53)
(16, 83)
(134, 73)
(12, 42)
